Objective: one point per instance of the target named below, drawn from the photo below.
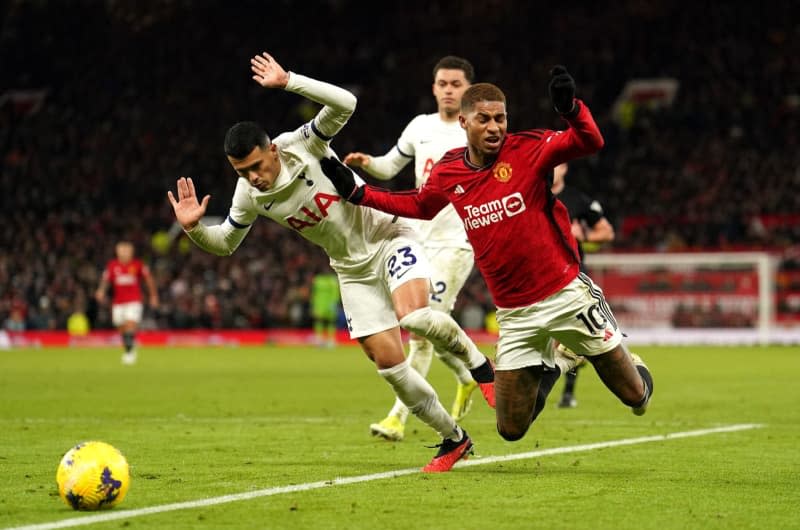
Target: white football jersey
(427, 138)
(304, 200)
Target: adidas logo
(459, 190)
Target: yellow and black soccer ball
(93, 476)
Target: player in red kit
(125, 274)
(500, 187)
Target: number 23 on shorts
(399, 263)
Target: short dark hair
(480, 92)
(242, 138)
(451, 62)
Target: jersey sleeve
(408, 138)
(387, 166)
(241, 215)
(582, 138)
(422, 203)
(223, 239)
(338, 106)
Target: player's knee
(511, 433)
(418, 321)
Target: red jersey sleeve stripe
(531, 134)
(384, 190)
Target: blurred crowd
(104, 104)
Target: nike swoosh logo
(268, 206)
(402, 273)
(425, 141)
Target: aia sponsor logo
(491, 212)
(310, 215)
(502, 171)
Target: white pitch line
(201, 503)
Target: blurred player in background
(383, 273)
(425, 139)
(524, 248)
(589, 226)
(325, 300)
(126, 274)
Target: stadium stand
(104, 104)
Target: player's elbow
(597, 142)
(605, 231)
(349, 102)
(223, 252)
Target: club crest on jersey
(502, 171)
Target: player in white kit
(382, 269)
(425, 139)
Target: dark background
(139, 93)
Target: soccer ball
(93, 476)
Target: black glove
(562, 91)
(343, 179)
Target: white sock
(457, 366)
(445, 334)
(420, 354)
(420, 397)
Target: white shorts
(576, 316)
(450, 268)
(129, 312)
(367, 296)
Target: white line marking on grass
(278, 490)
(605, 445)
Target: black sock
(127, 341)
(484, 373)
(648, 382)
(569, 383)
(546, 383)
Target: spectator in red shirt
(126, 274)
(524, 248)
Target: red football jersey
(521, 235)
(126, 280)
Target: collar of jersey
(470, 165)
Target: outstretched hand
(267, 72)
(343, 179)
(188, 211)
(562, 90)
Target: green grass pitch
(200, 423)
